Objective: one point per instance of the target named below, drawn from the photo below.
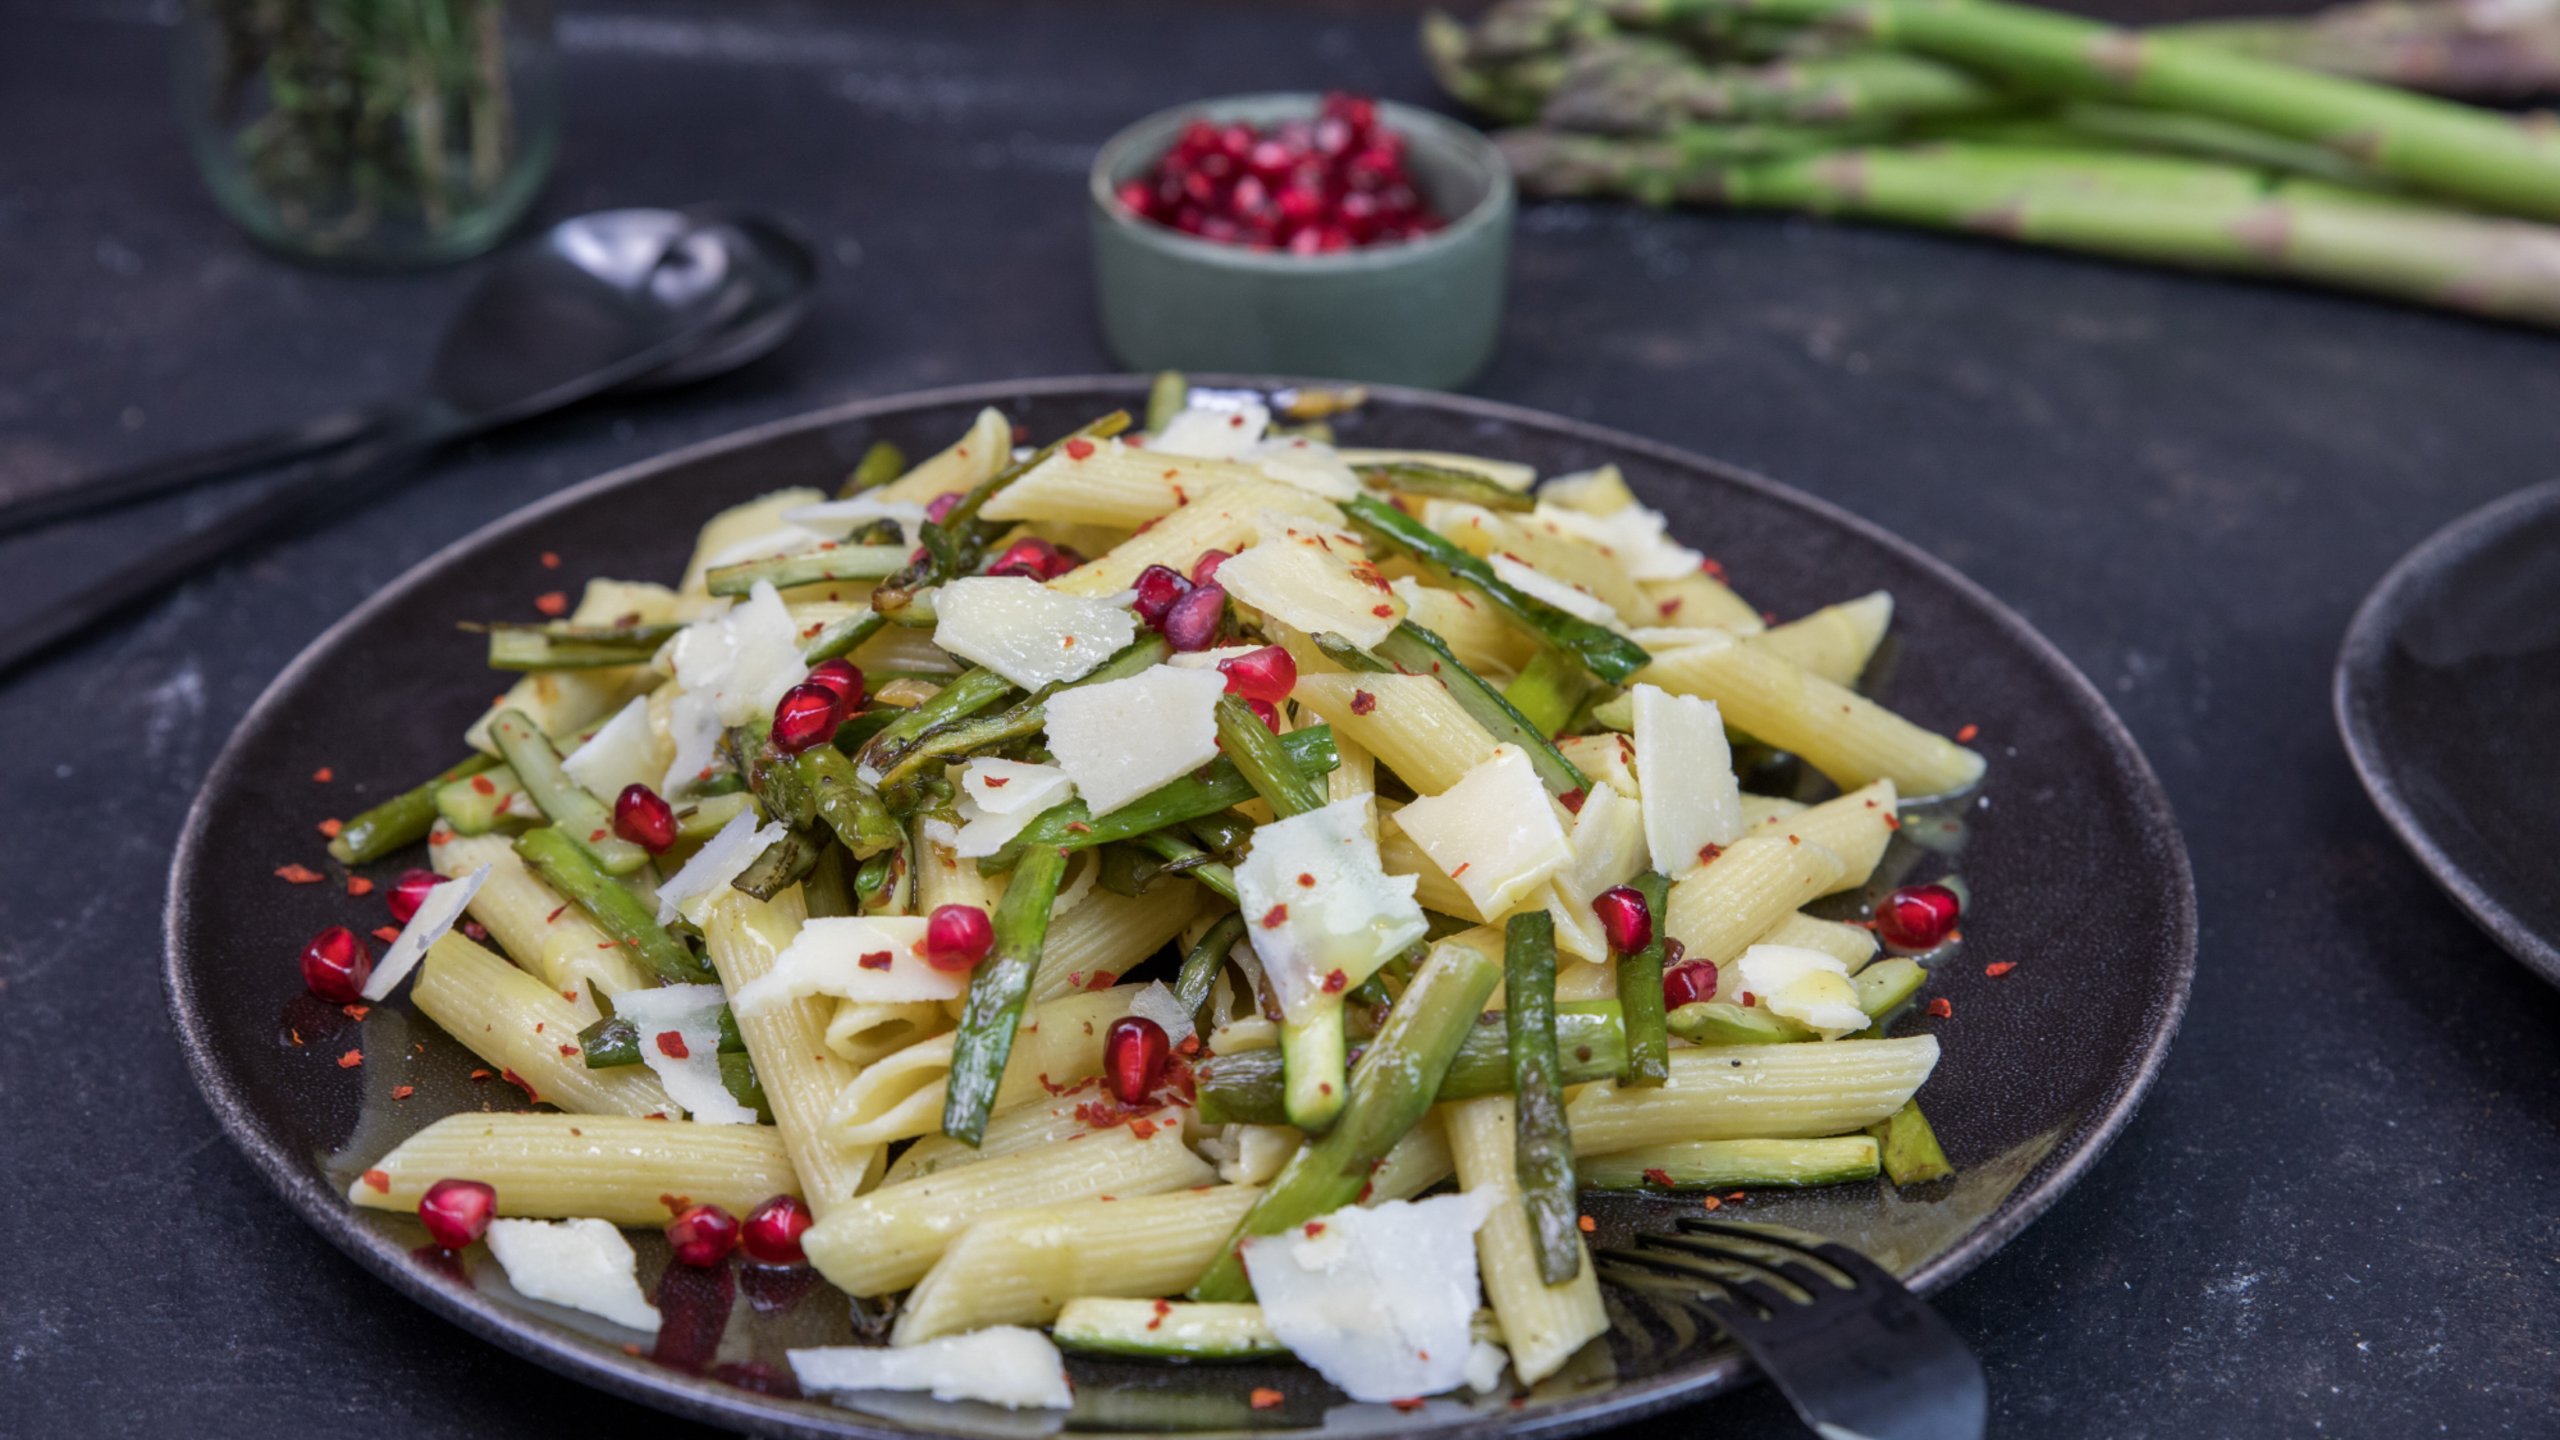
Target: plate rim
(2354, 700)
(714, 1402)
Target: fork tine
(1814, 1283)
(1857, 1267)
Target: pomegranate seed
(1625, 918)
(456, 1212)
(957, 937)
(940, 506)
(1918, 917)
(1267, 713)
(1688, 983)
(843, 677)
(1267, 674)
(772, 1233)
(1194, 620)
(643, 817)
(1287, 185)
(1029, 557)
(1133, 1057)
(1205, 569)
(409, 892)
(805, 717)
(1139, 197)
(702, 1235)
(1158, 589)
(336, 964)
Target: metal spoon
(585, 294)
(538, 334)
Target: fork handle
(178, 472)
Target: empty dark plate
(2070, 851)
(2448, 695)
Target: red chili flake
(1939, 1009)
(550, 559)
(998, 782)
(355, 1012)
(1998, 968)
(1658, 1177)
(1384, 612)
(484, 785)
(358, 885)
(1670, 607)
(482, 1074)
(294, 1035)
(1275, 917)
(1713, 1203)
(671, 1045)
(1362, 702)
(441, 837)
(478, 932)
(876, 960)
(1306, 879)
(1965, 735)
(378, 1182)
(330, 827)
(1078, 448)
(1143, 1128)
(1334, 981)
(520, 1083)
(1078, 827)
(1163, 1308)
(386, 933)
(1312, 1228)
(552, 602)
(1708, 853)
(1586, 1224)
(1893, 822)
(568, 1049)
(1266, 1398)
(1463, 867)
(1407, 1404)
(1749, 1000)
(1572, 800)
(323, 775)
(403, 1092)
(351, 1060)
(299, 875)
(1102, 980)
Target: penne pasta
(1720, 907)
(985, 448)
(1228, 519)
(1542, 1324)
(737, 526)
(1105, 935)
(900, 1097)
(1409, 722)
(1540, 544)
(1834, 642)
(1742, 1092)
(546, 935)
(523, 1028)
(1020, 1267)
(943, 878)
(863, 1032)
(1474, 631)
(1509, 474)
(1115, 484)
(611, 1167)
(1837, 731)
(888, 1239)
(560, 702)
(1701, 599)
(1024, 1127)
(1856, 827)
(1849, 944)
(788, 1043)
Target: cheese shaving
(436, 915)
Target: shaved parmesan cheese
(1495, 832)
(1312, 579)
(1208, 659)
(1322, 913)
(1691, 798)
(1157, 1003)
(786, 540)
(1221, 433)
(999, 797)
(837, 519)
(1122, 738)
(742, 657)
(1311, 465)
(870, 958)
(693, 723)
(722, 858)
(1810, 987)
(621, 753)
(1025, 631)
(1596, 492)
(1632, 536)
(1485, 1363)
(688, 1064)
(1609, 848)
(435, 915)
(1381, 1300)
(1003, 1365)
(583, 1264)
(1581, 604)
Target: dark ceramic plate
(2071, 852)
(2448, 694)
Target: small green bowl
(1420, 312)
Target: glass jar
(371, 132)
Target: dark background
(2334, 1216)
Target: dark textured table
(2334, 1216)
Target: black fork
(1856, 1354)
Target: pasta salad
(1196, 892)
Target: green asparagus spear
(879, 465)
(1607, 654)
(614, 1041)
(1911, 1152)
(704, 818)
(572, 647)
(784, 863)
(997, 993)
(1417, 651)
(1640, 989)
(1723, 1164)
(1204, 792)
(738, 1077)
(961, 736)
(1389, 1094)
(477, 804)
(1881, 988)
(1548, 691)
(880, 883)
(973, 691)
(1181, 857)
(402, 820)
(565, 866)
(1447, 482)
(815, 567)
(1543, 1141)
(1200, 973)
(1263, 762)
(824, 890)
(1244, 1088)
(1169, 396)
(580, 816)
(843, 637)
(850, 808)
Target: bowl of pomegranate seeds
(1302, 234)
